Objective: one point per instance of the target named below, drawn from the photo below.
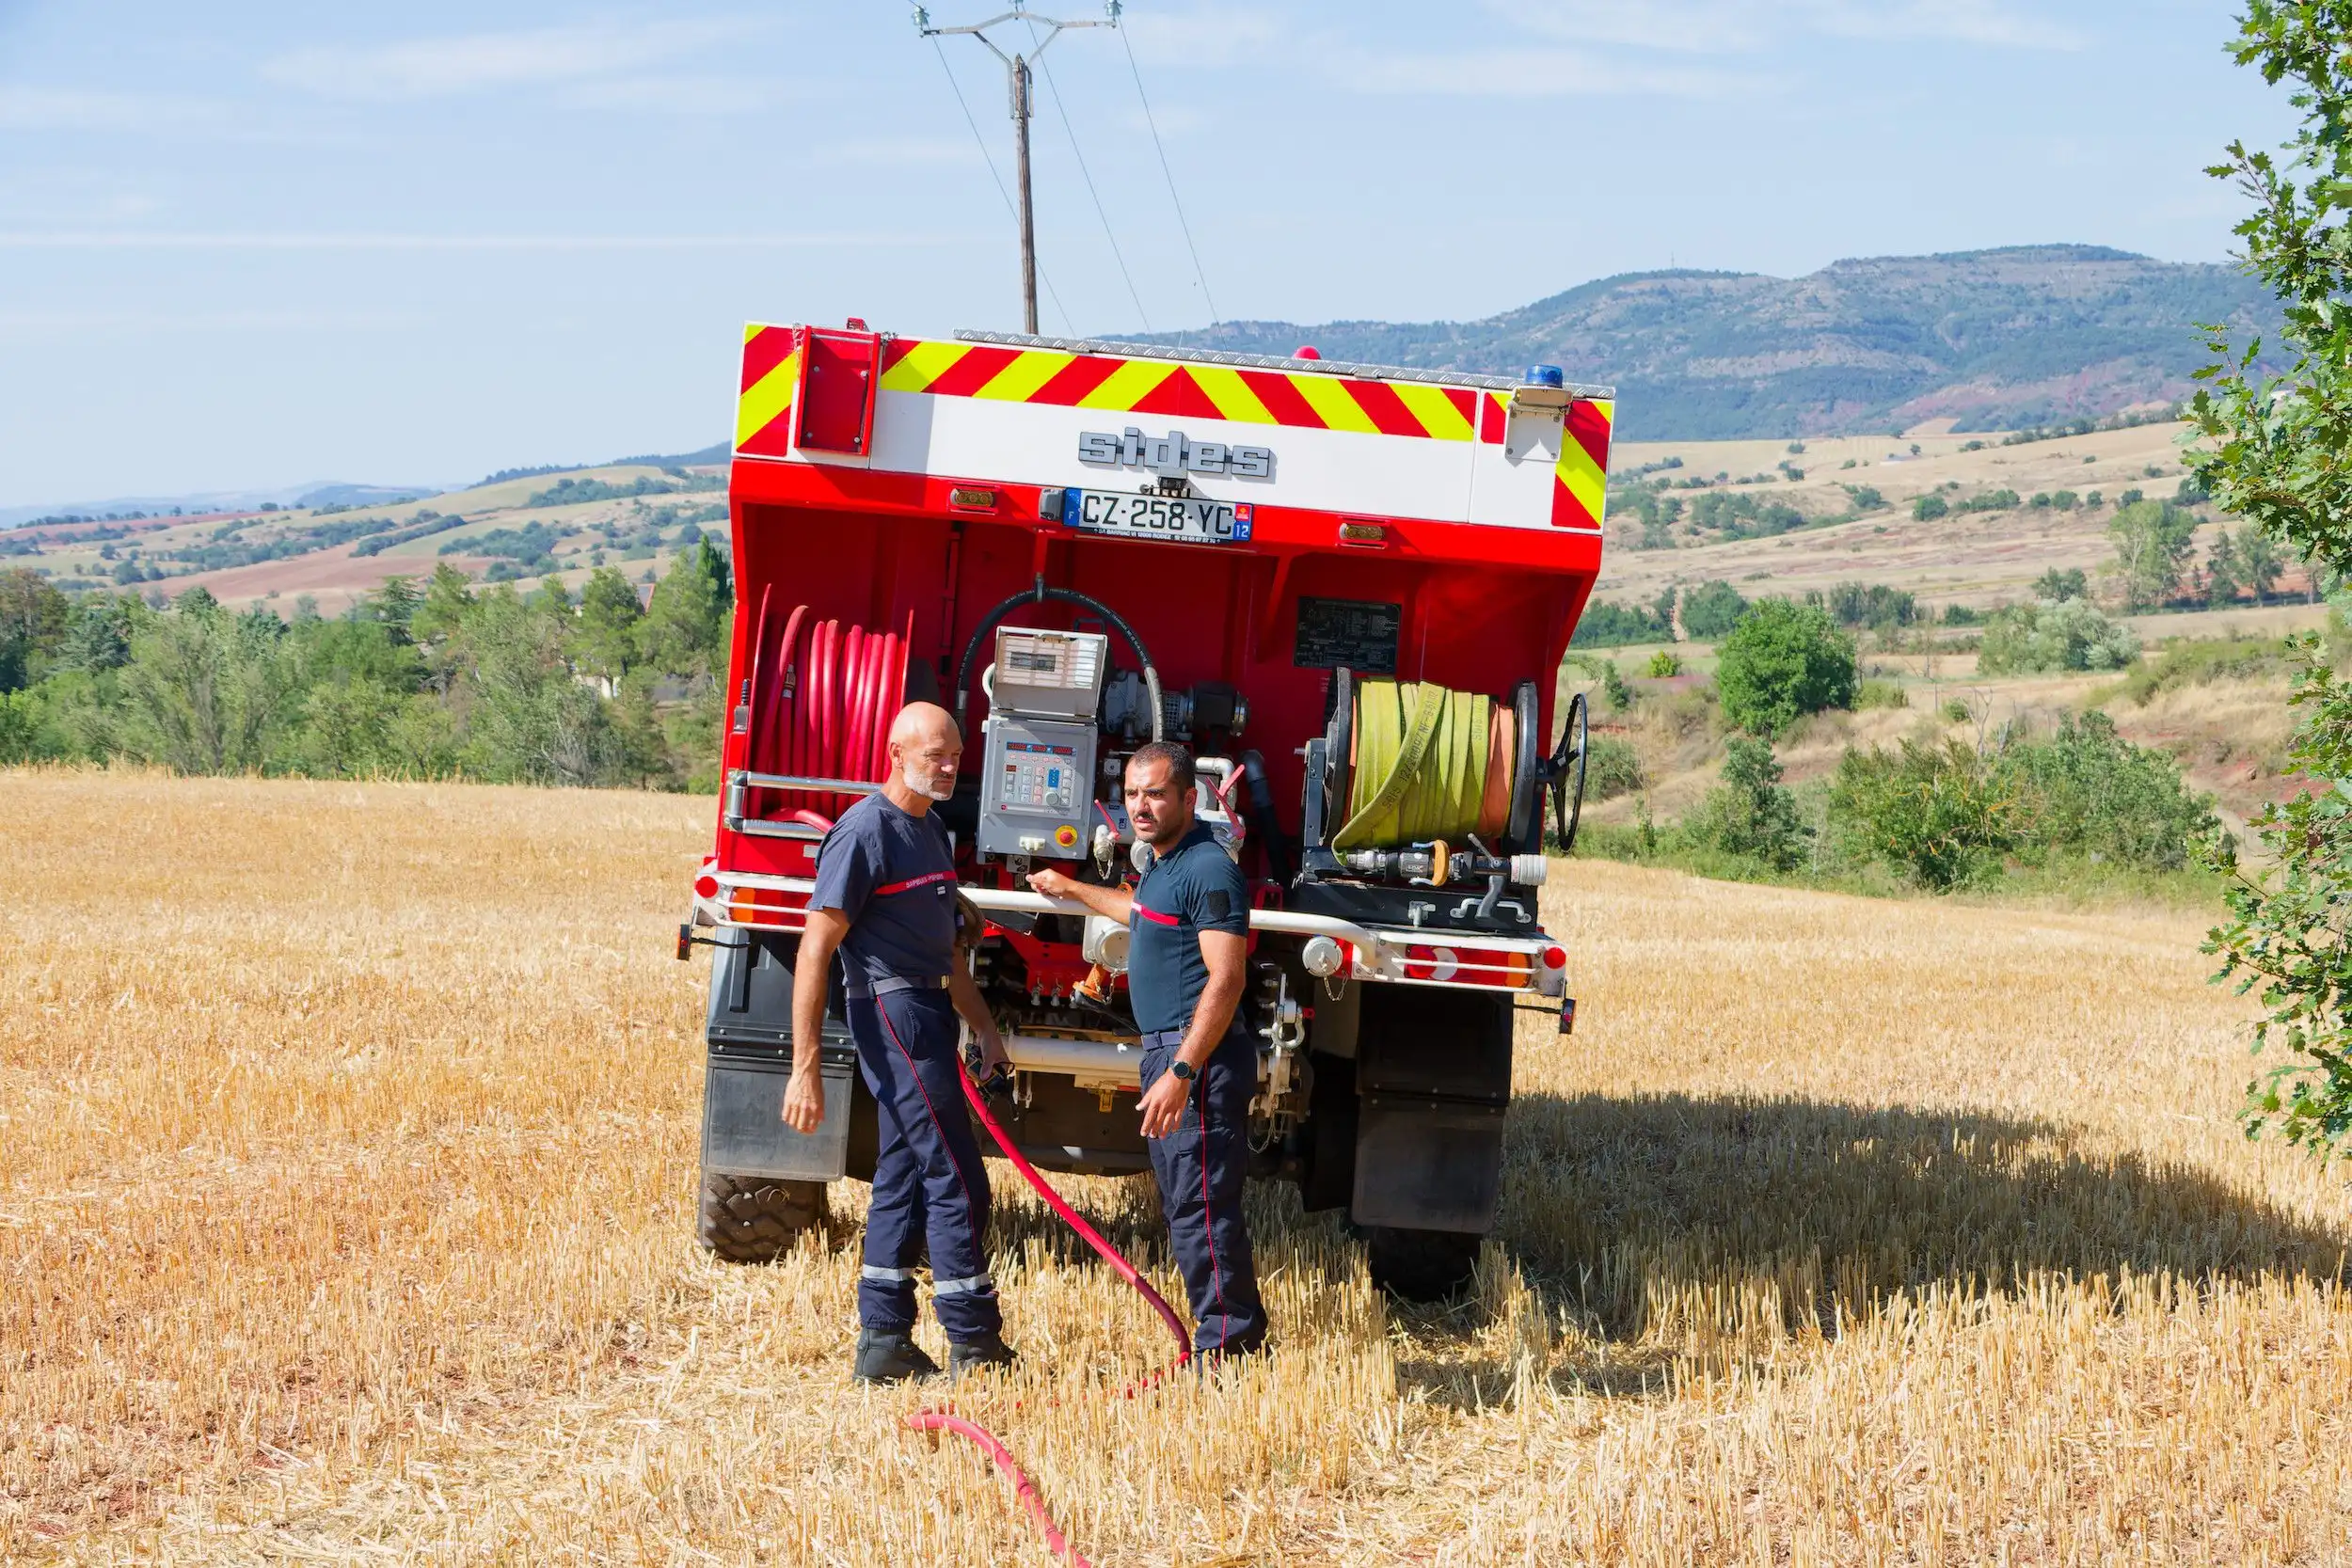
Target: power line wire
(1062, 110)
(1199, 272)
(990, 159)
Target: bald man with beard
(885, 901)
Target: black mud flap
(750, 1036)
(1427, 1165)
(1329, 1179)
(743, 1130)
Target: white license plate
(1181, 517)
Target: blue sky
(253, 244)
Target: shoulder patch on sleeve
(1217, 903)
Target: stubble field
(347, 1141)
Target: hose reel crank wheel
(1564, 772)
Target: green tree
(609, 615)
(448, 601)
(528, 719)
(33, 617)
(685, 629)
(1752, 814)
(2055, 585)
(1927, 508)
(2151, 545)
(2032, 639)
(1781, 661)
(1711, 609)
(203, 687)
(2221, 570)
(2271, 450)
(2258, 561)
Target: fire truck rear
(1346, 588)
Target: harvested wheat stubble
(346, 1158)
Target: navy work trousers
(1200, 1169)
(929, 1182)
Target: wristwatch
(1183, 1071)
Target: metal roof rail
(1267, 362)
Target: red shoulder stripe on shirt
(926, 879)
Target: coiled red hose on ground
(986, 1441)
(827, 715)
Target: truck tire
(1420, 1265)
(755, 1219)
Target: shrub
(1711, 609)
(1934, 813)
(1752, 812)
(1613, 626)
(1960, 615)
(2194, 663)
(1856, 604)
(1926, 509)
(1992, 500)
(2069, 635)
(1881, 693)
(1664, 664)
(1613, 767)
(2069, 584)
(1957, 711)
(1781, 661)
(2088, 791)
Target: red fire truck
(1347, 587)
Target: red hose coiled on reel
(822, 700)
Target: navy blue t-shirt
(1193, 888)
(891, 875)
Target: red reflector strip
(760, 906)
(1155, 917)
(1468, 966)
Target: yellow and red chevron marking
(1178, 391)
(771, 379)
(1579, 483)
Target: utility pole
(1018, 81)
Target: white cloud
(676, 95)
(1725, 26)
(477, 62)
(151, 239)
(81, 109)
(1203, 36)
(898, 150)
(1522, 72)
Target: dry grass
(344, 1172)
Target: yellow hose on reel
(1427, 764)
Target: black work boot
(890, 1355)
(989, 1349)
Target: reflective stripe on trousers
(929, 1186)
(1200, 1169)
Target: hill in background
(1990, 340)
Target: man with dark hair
(885, 899)
(1188, 942)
